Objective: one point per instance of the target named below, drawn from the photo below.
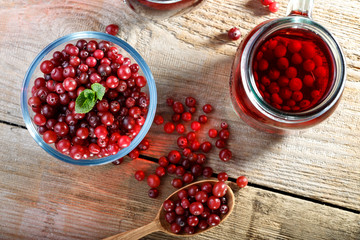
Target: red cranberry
(180, 171)
(224, 209)
(207, 172)
(202, 224)
(224, 134)
(191, 136)
(203, 119)
(185, 203)
(219, 189)
(177, 183)
(179, 210)
(169, 127)
(189, 230)
(188, 178)
(178, 107)
(201, 196)
(170, 102)
(213, 220)
(196, 208)
(169, 205)
(213, 203)
(175, 228)
(158, 120)
(234, 33)
(195, 126)
(206, 147)
(206, 187)
(274, 7)
(163, 162)
(182, 194)
(225, 155)
(170, 217)
(190, 102)
(186, 116)
(153, 193)
(207, 108)
(139, 175)
(213, 133)
(180, 128)
(171, 169)
(223, 176)
(50, 137)
(192, 221)
(192, 190)
(174, 156)
(134, 154)
(176, 117)
(182, 142)
(242, 181)
(153, 181)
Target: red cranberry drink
(292, 70)
(288, 73)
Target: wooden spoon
(160, 224)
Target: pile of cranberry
(112, 123)
(197, 207)
(188, 162)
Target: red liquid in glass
(293, 70)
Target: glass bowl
(46, 54)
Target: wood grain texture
(42, 198)
(190, 56)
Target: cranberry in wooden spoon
(161, 221)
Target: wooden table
(302, 186)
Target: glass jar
(161, 9)
(255, 104)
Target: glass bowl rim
(99, 36)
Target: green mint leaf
(99, 90)
(85, 101)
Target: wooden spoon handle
(137, 233)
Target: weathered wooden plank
(189, 56)
(43, 198)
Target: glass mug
(288, 73)
(161, 9)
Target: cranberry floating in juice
(288, 73)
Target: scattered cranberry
(158, 120)
(139, 175)
(160, 171)
(153, 193)
(153, 181)
(234, 33)
(242, 181)
(112, 29)
(195, 126)
(225, 155)
(180, 128)
(190, 102)
(274, 7)
(169, 127)
(207, 172)
(213, 133)
(223, 176)
(207, 108)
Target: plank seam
(254, 185)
